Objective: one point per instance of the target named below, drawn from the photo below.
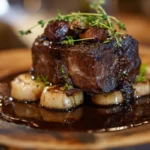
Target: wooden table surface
(137, 26)
(14, 135)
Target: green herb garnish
(70, 41)
(42, 23)
(68, 86)
(142, 76)
(65, 76)
(100, 19)
(43, 79)
(25, 32)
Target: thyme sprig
(108, 22)
(100, 19)
(70, 41)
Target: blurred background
(21, 14)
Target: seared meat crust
(92, 66)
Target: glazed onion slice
(24, 88)
(114, 98)
(55, 98)
(141, 89)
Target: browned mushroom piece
(96, 33)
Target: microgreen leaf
(143, 69)
(41, 78)
(121, 26)
(38, 79)
(105, 17)
(69, 41)
(25, 32)
(68, 86)
(142, 76)
(22, 32)
(63, 70)
(106, 41)
(42, 23)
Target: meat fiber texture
(93, 67)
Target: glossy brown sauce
(86, 118)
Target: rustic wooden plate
(25, 137)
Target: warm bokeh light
(4, 7)
(32, 5)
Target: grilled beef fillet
(91, 66)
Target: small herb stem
(33, 26)
(85, 14)
(102, 10)
(113, 18)
(39, 24)
(108, 17)
(104, 25)
(85, 39)
(71, 41)
(109, 21)
(117, 40)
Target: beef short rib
(91, 66)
